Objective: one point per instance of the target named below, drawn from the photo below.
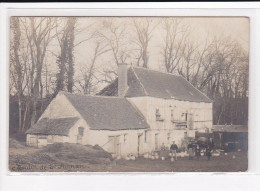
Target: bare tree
(88, 71)
(39, 34)
(18, 64)
(223, 69)
(188, 64)
(114, 35)
(143, 28)
(175, 35)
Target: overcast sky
(201, 28)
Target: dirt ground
(223, 163)
(26, 159)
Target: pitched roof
(146, 82)
(110, 89)
(230, 128)
(107, 113)
(46, 126)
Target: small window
(145, 136)
(172, 114)
(81, 131)
(186, 116)
(158, 115)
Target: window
(81, 131)
(172, 114)
(125, 138)
(80, 135)
(158, 115)
(145, 136)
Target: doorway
(139, 144)
(114, 145)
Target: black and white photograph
(128, 94)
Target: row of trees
(217, 66)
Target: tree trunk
(71, 23)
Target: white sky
(201, 28)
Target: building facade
(141, 110)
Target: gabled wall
(60, 107)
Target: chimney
(122, 79)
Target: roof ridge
(158, 71)
(92, 96)
(67, 117)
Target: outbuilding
(111, 122)
(230, 137)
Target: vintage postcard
(128, 94)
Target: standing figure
(211, 143)
(163, 147)
(190, 151)
(197, 152)
(174, 149)
(208, 152)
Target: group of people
(194, 149)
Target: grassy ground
(77, 158)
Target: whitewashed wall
(101, 138)
(60, 107)
(148, 105)
(43, 142)
(202, 117)
(73, 134)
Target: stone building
(137, 113)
